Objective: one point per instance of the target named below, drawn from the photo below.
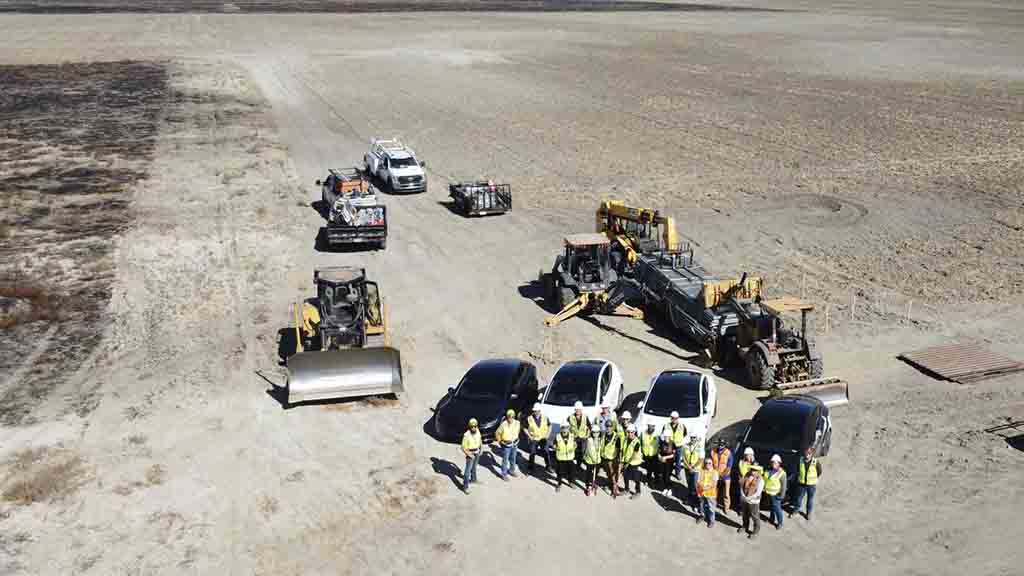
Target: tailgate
(365, 224)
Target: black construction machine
(582, 281)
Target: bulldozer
(582, 281)
(777, 358)
(343, 348)
(633, 231)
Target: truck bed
(369, 226)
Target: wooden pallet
(961, 362)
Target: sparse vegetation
(42, 475)
(40, 303)
(155, 475)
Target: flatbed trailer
(689, 296)
(481, 198)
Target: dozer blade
(831, 391)
(350, 373)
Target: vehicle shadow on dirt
(731, 434)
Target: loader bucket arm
(571, 309)
(298, 327)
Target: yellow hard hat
(472, 422)
(510, 412)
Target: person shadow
(671, 504)
(449, 469)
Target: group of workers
(612, 444)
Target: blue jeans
(679, 460)
(776, 506)
(708, 507)
(469, 472)
(800, 490)
(508, 460)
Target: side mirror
(451, 390)
(640, 405)
(423, 164)
(318, 183)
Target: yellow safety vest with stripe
(611, 448)
(592, 452)
(808, 475)
(678, 433)
(580, 428)
(535, 432)
(649, 442)
(508, 432)
(471, 441)
(631, 452)
(565, 448)
(691, 458)
(744, 467)
(773, 481)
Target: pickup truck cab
(395, 164)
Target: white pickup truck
(395, 164)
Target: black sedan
(487, 390)
(787, 426)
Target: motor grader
(343, 347)
(582, 281)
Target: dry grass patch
(29, 302)
(42, 475)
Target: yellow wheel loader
(343, 348)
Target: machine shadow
(534, 291)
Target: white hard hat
(578, 405)
(650, 424)
(748, 451)
(776, 458)
(626, 414)
(631, 428)
(666, 436)
(536, 406)
(674, 414)
(605, 405)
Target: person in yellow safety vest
(707, 490)
(592, 458)
(631, 459)
(807, 474)
(579, 426)
(775, 488)
(649, 444)
(472, 444)
(610, 459)
(677, 431)
(627, 418)
(721, 456)
(692, 457)
(743, 467)
(507, 438)
(537, 430)
(565, 450)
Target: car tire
(762, 376)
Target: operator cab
(586, 260)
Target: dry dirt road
(868, 156)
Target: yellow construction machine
(343, 348)
(582, 281)
(633, 231)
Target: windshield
(679, 391)
(475, 387)
(403, 162)
(782, 430)
(570, 385)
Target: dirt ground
(868, 156)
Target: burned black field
(74, 140)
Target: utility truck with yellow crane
(343, 348)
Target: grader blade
(831, 391)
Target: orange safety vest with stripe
(720, 459)
(631, 453)
(472, 441)
(579, 427)
(808, 475)
(538, 432)
(565, 448)
(707, 483)
(773, 481)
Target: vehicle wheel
(547, 287)
(816, 369)
(391, 185)
(382, 244)
(762, 376)
(827, 444)
(618, 405)
(565, 296)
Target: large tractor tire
(762, 376)
(565, 296)
(815, 369)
